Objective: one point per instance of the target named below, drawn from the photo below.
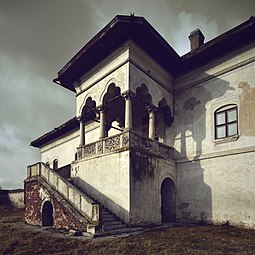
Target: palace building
(156, 137)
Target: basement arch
(47, 214)
(168, 201)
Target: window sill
(226, 139)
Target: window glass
(231, 115)
(221, 132)
(220, 118)
(226, 121)
(232, 129)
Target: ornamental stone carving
(128, 140)
(111, 144)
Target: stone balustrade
(127, 140)
(80, 201)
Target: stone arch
(166, 111)
(47, 214)
(88, 110)
(143, 94)
(111, 81)
(140, 103)
(114, 104)
(164, 119)
(84, 102)
(168, 200)
(112, 92)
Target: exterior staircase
(101, 222)
(112, 225)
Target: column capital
(152, 109)
(128, 94)
(102, 108)
(81, 119)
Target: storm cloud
(39, 37)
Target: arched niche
(168, 200)
(47, 214)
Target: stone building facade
(156, 137)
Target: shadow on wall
(102, 199)
(194, 195)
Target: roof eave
(119, 30)
(63, 129)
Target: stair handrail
(86, 206)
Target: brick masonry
(35, 196)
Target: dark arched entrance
(168, 212)
(47, 214)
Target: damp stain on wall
(247, 109)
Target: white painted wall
(145, 190)
(107, 179)
(215, 180)
(63, 149)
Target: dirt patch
(20, 239)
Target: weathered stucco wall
(217, 190)
(62, 149)
(17, 198)
(106, 179)
(147, 174)
(215, 176)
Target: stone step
(113, 222)
(109, 218)
(111, 227)
(118, 231)
(107, 213)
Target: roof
(122, 28)
(223, 44)
(57, 132)
(118, 31)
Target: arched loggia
(164, 119)
(88, 113)
(141, 103)
(114, 107)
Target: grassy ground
(20, 239)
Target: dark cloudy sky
(38, 37)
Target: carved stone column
(102, 112)
(82, 132)
(152, 124)
(128, 109)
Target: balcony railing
(126, 140)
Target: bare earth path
(18, 238)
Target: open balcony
(126, 140)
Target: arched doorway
(168, 211)
(47, 214)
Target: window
(55, 164)
(226, 122)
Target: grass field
(20, 239)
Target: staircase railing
(87, 207)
